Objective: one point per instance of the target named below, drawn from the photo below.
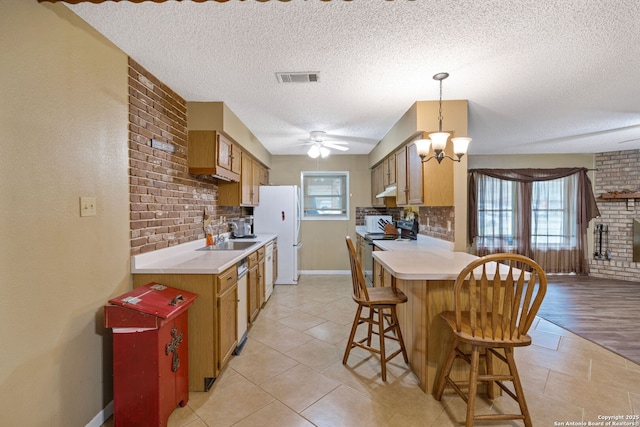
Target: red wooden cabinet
(150, 353)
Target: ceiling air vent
(306, 77)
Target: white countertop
(424, 264)
(425, 258)
(187, 259)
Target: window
(501, 213)
(539, 213)
(496, 214)
(554, 218)
(325, 195)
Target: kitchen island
(425, 270)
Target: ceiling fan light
(324, 152)
(439, 140)
(423, 146)
(314, 151)
(460, 145)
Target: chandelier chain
(440, 110)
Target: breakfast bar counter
(426, 274)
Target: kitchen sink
(229, 246)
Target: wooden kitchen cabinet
(227, 302)
(414, 175)
(381, 277)
(401, 176)
(422, 184)
(378, 271)
(377, 185)
(246, 191)
(263, 174)
(261, 276)
(213, 153)
(253, 287)
(389, 170)
(212, 320)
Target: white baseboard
(325, 271)
(102, 416)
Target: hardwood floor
(604, 311)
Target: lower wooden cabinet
(213, 317)
(212, 320)
(255, 284)
(246, 192)
(381, 277)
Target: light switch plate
(88, 206)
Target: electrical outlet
(88, 206)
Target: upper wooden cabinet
(246, 192)
(414, 176)
(213, 153)
(382, 176)
(389, 171)
(377, 185)
(426, 184)
(236, 158)
(401, 176)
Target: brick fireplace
(617, 171)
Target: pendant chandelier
(439, 139)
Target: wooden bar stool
(381, 303)
(492, 311)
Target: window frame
(344, 175)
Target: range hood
(390, 191)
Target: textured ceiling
(541, 76)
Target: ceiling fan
(320, 146)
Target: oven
(367, 262)
(406, 230)
(369, 247)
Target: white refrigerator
(279, 212)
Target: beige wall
(323, 245)
(63, 117)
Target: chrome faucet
(220, 224)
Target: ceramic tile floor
(290, 374)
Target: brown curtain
(587, 209)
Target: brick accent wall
(617, 170)
(166, 203)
